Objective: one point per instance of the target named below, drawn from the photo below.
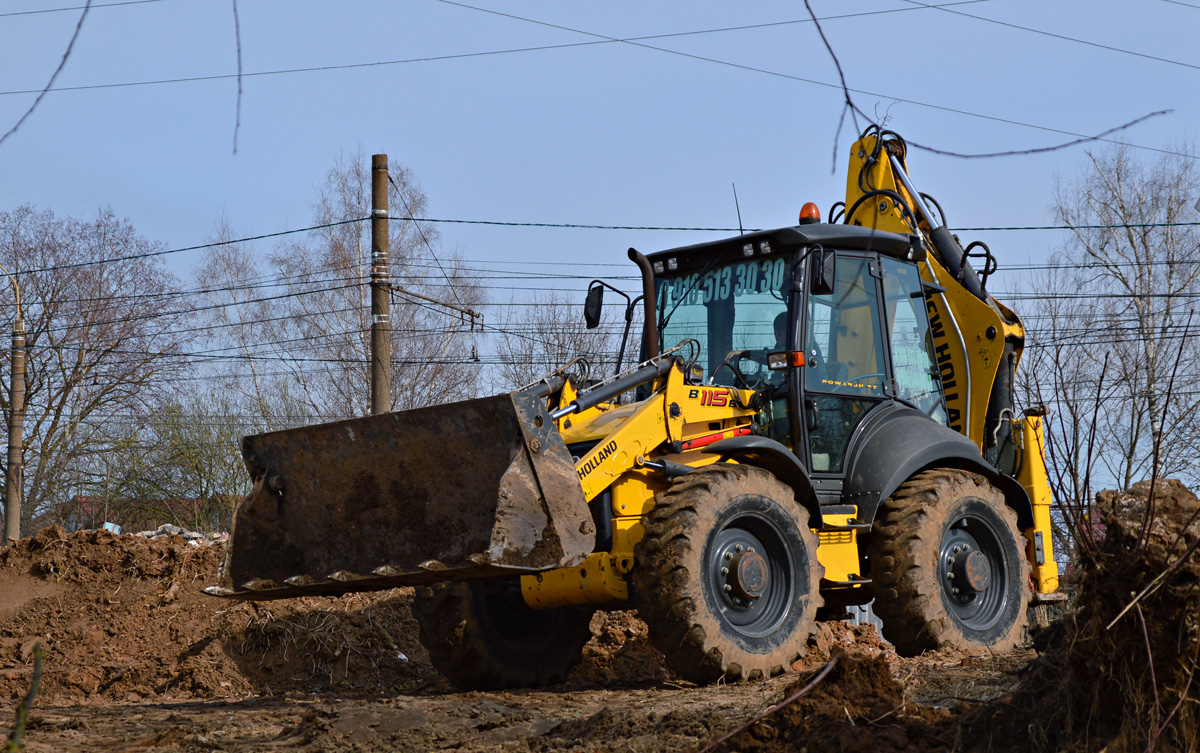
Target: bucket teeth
(219, 591)
(344, 576)
(431, 566)
(300, 580)
(258, 584)
(478, 559)
(387, 571)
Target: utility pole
(381, 302)
(15, 474)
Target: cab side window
(916, 374)
(844, 339)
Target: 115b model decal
(715, 398)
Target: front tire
(948, 565)
(727, 577)
(483, 636)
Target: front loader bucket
(469, 490)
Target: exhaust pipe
(649, 304)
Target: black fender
(895, 441)
(775, 458)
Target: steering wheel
(755, 380)
(845, 387)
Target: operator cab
(825, 322)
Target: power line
(510, 223)
(1112, 226)
(603, 39)
(437, 58)
(76, 7)
(196, 309)
(1055, 36)
(778, 74)
(505, 223)
(198, 247)
(424, 239)
(282, 282)
(681, 228)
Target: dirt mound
(620, 654)
(857, 708)
(122, 618)
(620, 651)
(1112, 675)
(834, 636)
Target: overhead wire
(94, 6)
(263, 236)
(437, 58)
(1055, 35)
(778, 74)
(180, 312)
(424, 238)
(165, 252)
(604, 39)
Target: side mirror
(823, 272)
(593, 305)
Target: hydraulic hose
(604, 392)
(948, 250)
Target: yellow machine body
(537, 490)
(969, 336)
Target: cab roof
(831, 237)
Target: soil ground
(137, 659)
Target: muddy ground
(138, 659)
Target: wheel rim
(973, 572)
(766, 567)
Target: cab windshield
(727, 308)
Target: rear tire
(708, 520)
(944, 530)
(483, 636)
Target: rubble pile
(194, 538)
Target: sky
(583, 129)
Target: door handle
(812, 416)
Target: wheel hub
(972, 572)
(747, 576)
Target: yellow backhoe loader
(831, 422)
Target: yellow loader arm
(636, 450)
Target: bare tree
(1114, 311)
(308, 336)
(539, 336)
(240, 326)
(101, 329)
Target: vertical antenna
(741, 232)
